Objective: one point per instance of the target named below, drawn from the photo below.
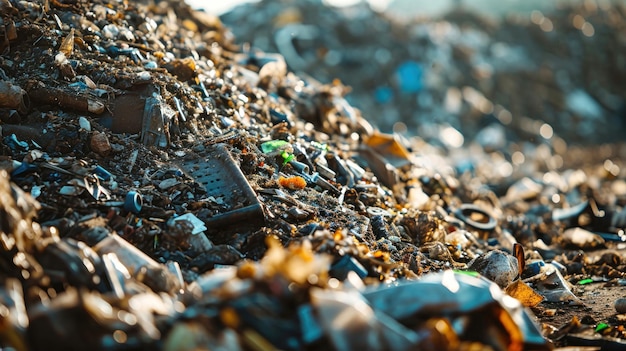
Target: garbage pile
(561, 67)
(162, 188)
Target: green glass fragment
(601, 326)
(273, 145)
(585, 281)
(470, 273)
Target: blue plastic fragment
(278, 117)
(24, 168)
(535, 267)
(15, 144)
(617, 237)
(410, 75)
(102, 173)
(341, 268)
(133, 202)
(79, 85)
(311, 330)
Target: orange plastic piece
(292, 183)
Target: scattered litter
(163, 187)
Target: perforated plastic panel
(219, 174)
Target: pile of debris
(162, 189)
(562, 68)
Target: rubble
(163, 188)
(414, 73)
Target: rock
(497, 266)
(620, 305)
(100, 144)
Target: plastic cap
(133, 202)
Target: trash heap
(562, 67)
(162, 188)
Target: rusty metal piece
(42, 94)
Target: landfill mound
(561, 67)
(162, 188)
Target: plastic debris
(225, 182)
(524, 294)
(601, 326)
(197, 193)
(133, 202)
(273, 145)
(551, 285)
(452, 293)
(157, 117)
(476, 217)
(198, 225)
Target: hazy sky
(219, 7)
(408, 7)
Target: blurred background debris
(541, 70)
